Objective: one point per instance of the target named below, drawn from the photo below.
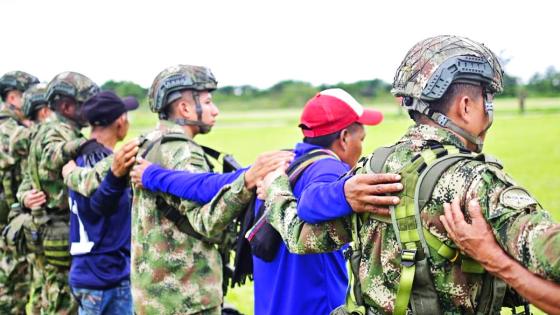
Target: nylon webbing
(403, 219)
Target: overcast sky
(262, 42)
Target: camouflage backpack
(419, 178)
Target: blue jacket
(290, 284)
(100, 228)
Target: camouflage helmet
(71, 84)
(34, 98)
(16, 80)
(175, 79)
(433, 64)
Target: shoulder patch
(517, 198)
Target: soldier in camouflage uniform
(36, 109)
(176, 267)
(56, 142)
(14, 274)
(447, 84)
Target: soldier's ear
(462, 108)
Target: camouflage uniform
(173, 272)
(14, 273)
(56, 142)
(21, 146)
(522, 228)
(14, 269)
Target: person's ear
(344, 139)
(462, 108)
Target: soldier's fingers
(381, 189)
(475, 211)
(379, 178)
(448, 216)
(456, 213)
(447, 227)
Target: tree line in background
(292, 93)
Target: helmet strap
(203, 128)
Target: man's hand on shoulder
(125, 158)
(367, 192)
(266, 163)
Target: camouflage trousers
(50, 291)
(14, 282)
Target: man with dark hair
(408, 263)
(332, 124)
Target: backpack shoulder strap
(151, 153)
(379, 158)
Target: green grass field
(526, 144)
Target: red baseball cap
(332, 110)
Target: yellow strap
(54, 243)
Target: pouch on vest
(264, 239)
(13, 232)
(55, 242)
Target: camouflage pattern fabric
(10, 170)
(424, 59)
(54, 144)
(14, 281)
(172, 272)
(17, 80)
(14, 269)
(525, 231)
(177, 78)
(21, 148)
(72, 84)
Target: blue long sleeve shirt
(290, 284)
(100, 229)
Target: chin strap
(203, 128)
(444, 121)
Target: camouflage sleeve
(301, 237)
(25, 186)
(212, 218)
(59, 147)
(521, 226)
(86, 180)
(19, 147)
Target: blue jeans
(114, 301)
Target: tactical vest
(227, 241)
(50, 234)
(416, 288)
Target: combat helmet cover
(16, 80)
(433, 64)
(178, 78)
(33, 98)
(71, 84)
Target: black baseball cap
(105, 107)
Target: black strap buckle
(408, 257)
